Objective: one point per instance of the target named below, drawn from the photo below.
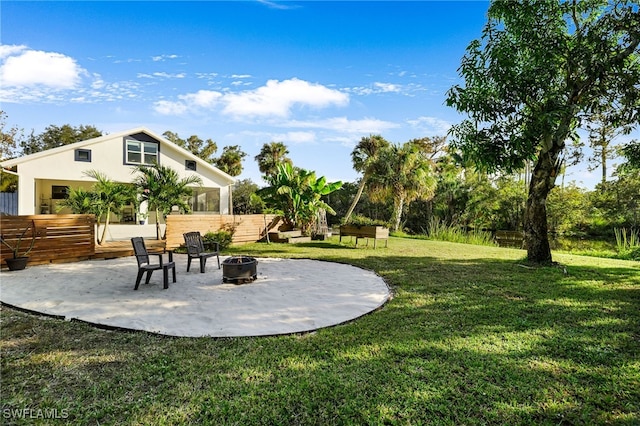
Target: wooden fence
(69, 238)
(248, 228)
(59, 238)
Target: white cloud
(295, 137)
(22, 67)
(206, 99)
(163, 57)
(202, 98)
(161, 75)
(387, 87)
(344, 125)
(434, 126)
(274, 5)
(277, 98)
(9, 50)
(170, 108)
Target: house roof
(163, 141)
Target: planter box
(365, 231)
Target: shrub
(224, 237)
(364, 221)
(443, 232)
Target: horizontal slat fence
(249, 228)
(60, 238)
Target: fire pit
(239, 269)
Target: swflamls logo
(35, 413)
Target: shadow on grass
(464, 341)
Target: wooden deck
(113, 249)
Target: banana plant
(297, 194)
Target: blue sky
(315, 75)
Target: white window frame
(142, 152)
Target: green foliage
(15, 247)
(628, 246)
(470, 337)
(245, 198)
(271, 155)
(297, 193)
(194, 144)
(631, 152)
(162, 188)
(364, 156)
(8, 182)
(359, 220)
(224, 237)
(568, 209)
(619, 201)
(54, 136)
(402, 174)
(230, 160)
(442, 232)
(81, 201)
(10, 138)
(538, 68)
(104, 197)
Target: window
(139, 152)
(190, 165)
(205, 200)
(83, 155)
(59, 192)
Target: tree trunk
(106, 224)
(158, 236)
(603, 159)
(357, 198)
(398, 206)
(535, 216)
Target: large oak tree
(539, 67)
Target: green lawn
(470, 337)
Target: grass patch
(470, 337)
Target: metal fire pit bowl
(239, 269)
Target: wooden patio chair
(145, 265)
(195, 249)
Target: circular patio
(289, 296)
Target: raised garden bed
(365, 231)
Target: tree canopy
(538, 69)
(230, 160)
(271, 155)
(54, 136)
(204, 149)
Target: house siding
(60, 166)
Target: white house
(45, 177)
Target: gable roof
(82, 144)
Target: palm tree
(80, 201)
(403, 173)
(108, 196)
(162, 188)
(363, 156)
(271, 155)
